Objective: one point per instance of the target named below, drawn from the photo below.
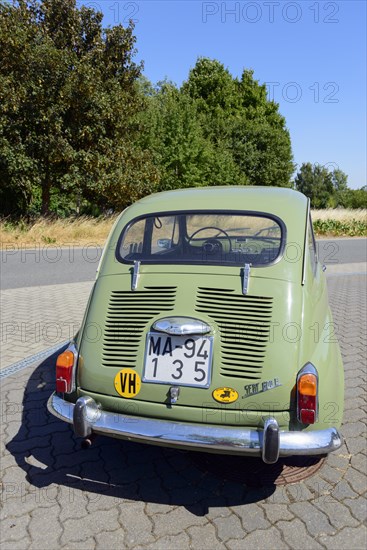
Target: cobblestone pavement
(127, 495)
(27, 327)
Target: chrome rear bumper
(269, 443)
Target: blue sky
(311, 54)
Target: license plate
(181, 360)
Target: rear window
(228, 238)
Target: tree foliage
(80, 124)
(328, 188)
(316, 182)
(69, 105)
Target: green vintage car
(208, 328)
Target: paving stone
(252, 517)
(136, 524)
(153, 508)
(356, 445)
(332, 475)
(269, 539)
(298, 492)
(14, 479)
(92, 524)
(349, 537)
(169, 542)
(110, 540)
(354, 429)
(338, 514)
(343, 490)
(42, 531)
(357, 480)
(276, 512)
(14, 529)
(353, 404)
(339, 461)
(358, 507)
(296, 536)
(73, 503)
(203, 537)
(175, 522)
(17, 545)
(218, 511)
(279, 496)
(352, 393)
(229, 528)
(359, 462)
(316, 521)
(89, 544)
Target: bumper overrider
(269, 443)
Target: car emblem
(261, 387)
(225, 395)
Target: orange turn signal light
(65, 359)
(307, 384)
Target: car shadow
(47, 450)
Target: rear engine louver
(244, 326)
(128, 316)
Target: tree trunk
(46, 189)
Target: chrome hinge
(245, 278)
(135, 277)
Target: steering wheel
(212, 245)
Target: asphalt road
(48, 265)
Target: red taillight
(64, 372)
(307, 398)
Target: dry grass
(79, 231)
(344, 215)
(85, 230)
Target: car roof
(280, 201)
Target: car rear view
(190, 336)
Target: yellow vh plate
(127, 383)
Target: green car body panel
(287, 308)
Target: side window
(312, 246)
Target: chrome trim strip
(305, 242)
(222, 439)
(179, 326)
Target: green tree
(175, 133)
(69, 107)
(316, 182)
(340, 185)
(237, 116)
(357, 198)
